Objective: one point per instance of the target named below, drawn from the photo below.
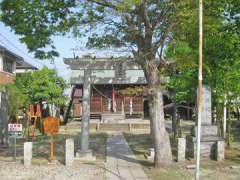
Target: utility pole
(200, 77)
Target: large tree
(142, 26)
(221, 52)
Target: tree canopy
(41, 85)
(141, 25)
(221, 50)
(47, 85)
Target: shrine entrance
(110, 99)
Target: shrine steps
(120, 126)
(112, 117)
(114, 127)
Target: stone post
(86, 111)
(220, 150)
(181, 149)
(27, 154)
(151, 154)
(69, 152)
(130, 127)
(131, 106)
(123, 113)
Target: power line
(7, 40)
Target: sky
(64, 46)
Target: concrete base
(150, 155)
(206, 130)
(208, 147)
(85, 156)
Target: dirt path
(16, 171)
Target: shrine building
(108, 79)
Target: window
(7, 65)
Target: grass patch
(140, 144)
(41, 146)
(210, 169)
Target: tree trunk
(238, 113)
(150, 104)
(174, 120)
(188, 112)
(179, 129)
(161, 140)
(163, 154)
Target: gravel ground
(16, 171)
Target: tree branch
(103, 3)
(163, 37)
(145, 16)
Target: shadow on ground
(41, 147)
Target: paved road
(121, 162)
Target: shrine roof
(101, 63)
(123, 70)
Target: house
(109, 78)
(8, 61)
(24, 67)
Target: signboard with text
(15, 129)
(51, 125)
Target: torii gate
(87, 71)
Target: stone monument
(27, 154)
(181, 149)
(209, 132)
(69, 152)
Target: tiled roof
(10, 53)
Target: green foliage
(46, 85)
(184, 83)
(221, 49)
(16, 99)
(142, 26)
(35, 87)
(36, 21)
(229, 131)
